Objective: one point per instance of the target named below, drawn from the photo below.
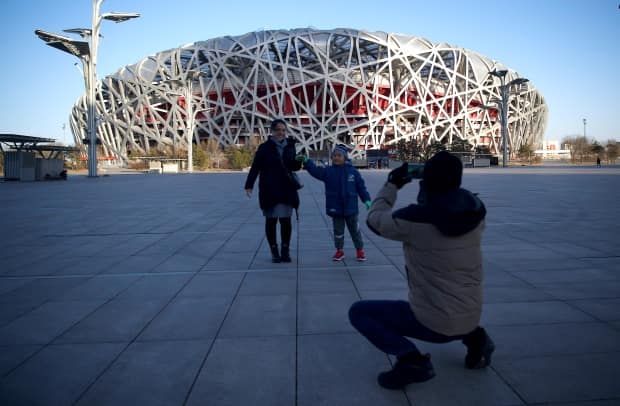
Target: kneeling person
(441, 242)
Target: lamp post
(87, 52)
(584, 129)
(186, 89)
(502, 103)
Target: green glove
(301, 158)
(367, 203)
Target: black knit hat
(443, 172)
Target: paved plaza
(135, 289)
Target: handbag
(295, 181)
(292, 176)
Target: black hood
(454, 213)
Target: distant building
(367, 90)
(553, 149)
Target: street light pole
(584, 129)
(503, 107)
(189, 112)
(187, 91)
(88, 55)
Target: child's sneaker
(361, 256)
(338, 256)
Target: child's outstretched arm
(314, 171)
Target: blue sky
(569, 49)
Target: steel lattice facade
(364, 89)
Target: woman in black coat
(277, 195)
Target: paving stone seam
(109, 365)
(568, 302)
(359, 297)
(507, 383)
(216, 337)
(52, 341)
(219, 329)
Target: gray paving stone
(213, 284)
(88, 266)
(170, 243)
(156, 286)
(324, 313)
(188, 318)
(260, 316)
(572, 250)
(495, 277)
(9, 284)
(508, 294)
(132, 247)
(374, 257)
(566, 377)
(99, 287)
(531, 313)
(42, 267)
(320, 259)
(610, 263)
(12, 356)
(137, 264)
(455, 385)
(117, 320)
(392, 251)
(341, 369)
(41, 290)
(153, 373)
(229, 261)
(377, 278)
(247, 371)
(610, 402)
(243, 242)
(182, 263)
(543, 262)
(11, 311)
(269, 283)
(567, 276)
(591, 290)
(602, 309)
(57, 375)
(397, 294)
(45, 323)
(326, 281)
(550, 293)
(554, 339)
(262, 262)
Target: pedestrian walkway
(159, 290)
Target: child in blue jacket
(343, 184)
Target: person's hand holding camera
(399, 177)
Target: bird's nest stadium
(364, 89)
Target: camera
(415, 170)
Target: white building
(552, 149)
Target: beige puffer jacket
(441, 244)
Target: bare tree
(579, 147)
(214, 152)
(612, 151)
(526, 151)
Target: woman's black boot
(286, 255)
(275, 255)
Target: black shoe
(275, 255)
(408, 369)
(285, 256)
(480, 347)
